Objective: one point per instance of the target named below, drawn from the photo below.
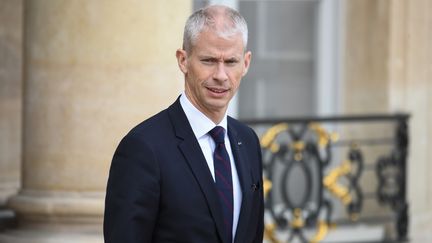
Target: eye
(208, 61)
(231, 62)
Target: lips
(217, 90)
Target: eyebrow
(211, 58)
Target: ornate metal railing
(335, 179)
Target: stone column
(366, 55)
(92, 71)
(10, 97)
(365, 85)
(410, 69)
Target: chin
(218, 106)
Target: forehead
(215, 43)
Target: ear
(182, 60)
(247, 60)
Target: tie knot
(218, 134)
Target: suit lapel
(192, 152)
(244, 173)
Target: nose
(220, 73)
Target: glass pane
(281, 80)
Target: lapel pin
(239, 143)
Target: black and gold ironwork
(300, 153)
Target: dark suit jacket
(160, 188)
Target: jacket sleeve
(132, 197)
(260, 227)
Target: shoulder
(241, 128)
(244, 133)
(160, 129)
(152, 126)
(140, 137)
(161, 125)
(249, 139)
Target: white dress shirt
(201, 125)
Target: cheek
(202, 74)
(236, 78)
(237, 85)
(193, 78)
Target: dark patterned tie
(222, 169)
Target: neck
(215, 116)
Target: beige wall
(410, 71)
(366, 54)
(10, 96)
(92, 71)
(388, 68)
(365, 83)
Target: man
(190, 173)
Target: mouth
(217, 90)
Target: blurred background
(348, 82)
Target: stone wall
(92, 71)
(11, 21)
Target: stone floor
(365, 234)
(341, 234)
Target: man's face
(213, 70)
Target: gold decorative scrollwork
(298, 147)
(298, 221)
(269, 233)
(324, 137)
(330, 182)
(323, 229)
(267, 186)
(268, 140)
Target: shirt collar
(199, 122)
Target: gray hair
(206, 18)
